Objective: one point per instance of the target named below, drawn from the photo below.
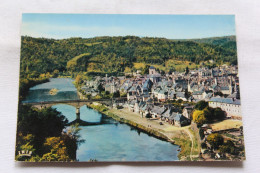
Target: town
(206, 101)
(131, 94)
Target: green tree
(78, 80)
(145, 70)
(219, 114)
(100, 88)
(55, 73)
(219, 93)
(116, 53)
(116, 94)
(187, 70)
(123, 94)
(228, 147)
(41, 124)
(215, 140)
(209, 114)
(72, 139)
(162, 72)
(201, 105)
(187, 94)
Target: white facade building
(231, 106)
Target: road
(192, 142)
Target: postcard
(117, 87)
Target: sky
(59, 26)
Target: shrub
(215, 140)
(199, 117)
(201, 105)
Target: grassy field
(176, 64)
(180, 65)
(182, 139)
(92, 44)
(226, 124)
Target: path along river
(109, 140)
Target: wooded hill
(121, 54)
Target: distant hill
(119, 54)
(225, 41)
(220, 41)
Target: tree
(201, 105)
(41, 124)
(213, 114)
(24, 143)
(219, 93)
(73, 131)
(215, 140)
(145, 70)
(57, 150)
(172, 69)
(78, 80)
(98, 97)
(199, 117)
(219, 114)
(123, 94)
(162, 72)
(72, 139)
(55, 73)
(187, 94)
(201, 132)
(127, 70)
(209, 114)
(228, 147)
(116, 94)
(187, 70)
(116, 53)
(100, 88)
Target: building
(187, 111)
(178, 119)
(152, 70)
(230, 105)
(110, 87)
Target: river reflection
(109, 140)
(112, 141)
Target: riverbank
(180, 136)
(26, 84)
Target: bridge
(76, 103)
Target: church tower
(152, 70)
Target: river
(109, 140)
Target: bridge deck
(76, 101)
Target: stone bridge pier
(77, 113)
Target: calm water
(110, 140)
(66, 91)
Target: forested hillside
(216, 40)
(40, 56)
(228, 42)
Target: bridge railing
(75, 101)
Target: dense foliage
(215, 140)
(116, 54)
(40, 131)
(228, 147)
(227, 41)
(201, 105)
(27, 83)
(199, 117)
(205, 114)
